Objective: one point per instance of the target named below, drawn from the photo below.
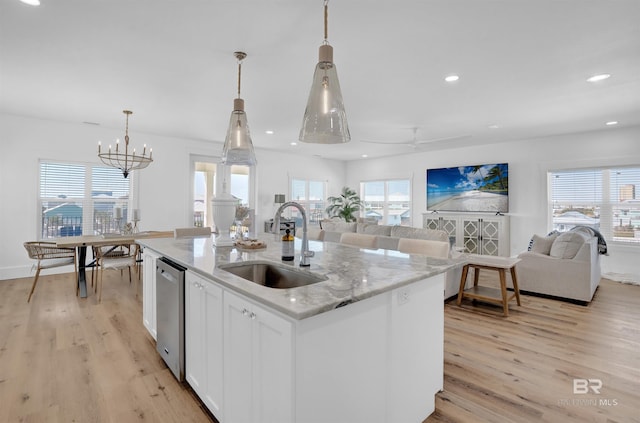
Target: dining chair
(191, 232)
(438, 249)
(359, 240)
(50, 256)
(116, 257)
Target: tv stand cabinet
(475, 233)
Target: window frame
(88, 201)
(386, 202)
(602, 201)
(315, 215)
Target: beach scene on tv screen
(481, 188)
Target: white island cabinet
(375, 361)
(203, 340)
(149, 258)
(258, 370)
(363, 345)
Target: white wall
(164, 197)
(164, 187)
(529, 161)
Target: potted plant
(345, 206)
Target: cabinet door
(273, 368)
(431, 223)
(194, 334)
(490, 237)
(449, 225)
(238, 350)
(258, 367)
(203, 341)
(213, 350)
(471, 236)
(149, 292)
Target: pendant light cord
(326, 21)
(239, 74)
(126, 128)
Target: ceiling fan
(415, 142)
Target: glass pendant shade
(238, 148)
(325, 120)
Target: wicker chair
(50, 256)
(116, 257)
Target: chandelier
(125, 161)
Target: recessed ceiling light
(364, 156)
(268, 132)
(452, 78)
(31, 2)
(494, 126)
(600, 77)
(611, 123)
(294, 143)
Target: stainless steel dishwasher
(170, 314)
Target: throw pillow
(542, 244)
(567, 244)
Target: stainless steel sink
(272, 275)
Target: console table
(487, 294)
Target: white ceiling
(523, 66)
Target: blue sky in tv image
(469, 188)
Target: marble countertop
(352, 274)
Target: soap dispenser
(288, 247)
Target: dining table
(81, 243)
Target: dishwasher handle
(168, 275)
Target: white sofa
(565, 265)
(388, 235)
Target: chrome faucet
(305, 254)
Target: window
(310, 195)
(240, 183)
(389, 202)
(77, 199)
(204, 180)
(604, 199)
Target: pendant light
(238, 148)
(325, 120)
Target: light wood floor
(64, 359)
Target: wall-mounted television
(482, 188)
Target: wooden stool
(483, 293)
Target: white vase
(224, 214)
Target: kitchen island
(365, 344)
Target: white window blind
(77, 199)
(604, 199)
